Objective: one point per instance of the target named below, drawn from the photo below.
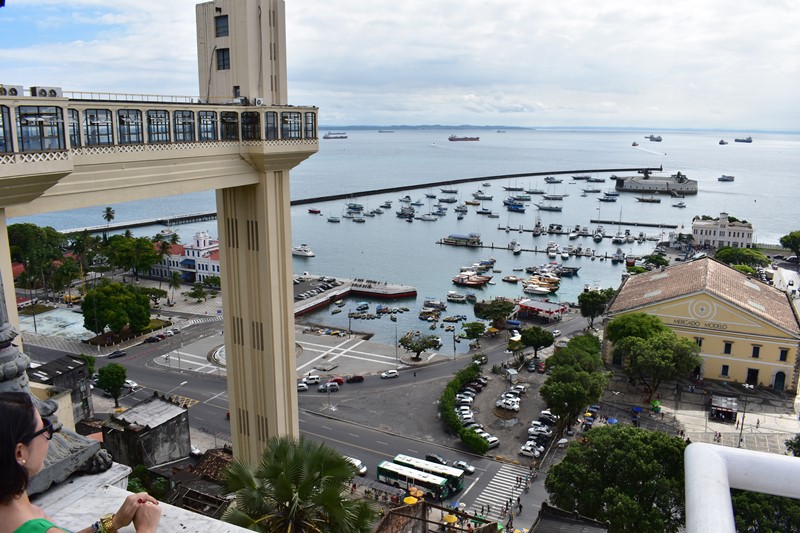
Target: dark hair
(16, 412)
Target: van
(312, 379)
(359, 466)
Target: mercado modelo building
(748, 331)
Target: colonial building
(195, 261)
(747, 331)
(721, 232)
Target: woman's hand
(147, 517)
(130, 507)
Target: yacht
(303, 250)
(725, 178)
(679, 204)
(334, 219)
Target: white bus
(454, 476)
(404, 477)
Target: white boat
(679, 204)
(515, 246)
(726, 178)
(429, 217)
(334, 219)
(303, 250)
(456, 297)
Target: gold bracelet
(107, 523)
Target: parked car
(152, 339)
(465, 466)
(528, 452)
(483, 380)
(117, 353)
(520, 389)
(338, 380)
(328, 387)
(388, 374)
(169, 333)
(312, 379)
(505, 404)
(436, 458)
(540, 368)
(480, 359)
(540, 431)
(530, 366)
(355, 379)
(474, 426)
(556, 333)
(302, 387)
(467, 418)
(493, 442)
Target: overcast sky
(609, 63)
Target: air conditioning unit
(260, 101)
(46, 92)
(12, 90)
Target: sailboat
(619, 237)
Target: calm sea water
(387, 248)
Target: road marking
(469, 488)
(412, 451)
(215, 396)
(381, 442)
(326, 427)
(353, 435)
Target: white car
(520, 389)
(537, 424)
(510, 396)
(483, 434)
(528, 452)
(463, 400)
(539, 431)
(505, 404)
(359, 466)
(556, 333)
(302, 387)
(390, 374)
(465, 466)
(493, 442)
(132, 385)
(467, 419)
(534, 445)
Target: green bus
(454, 476)
(404, 477)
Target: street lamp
(181, 384)
(396, 361)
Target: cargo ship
(457, 138)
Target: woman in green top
(24, 440)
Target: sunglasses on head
(48, 430)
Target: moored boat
(648, 199)
(679, 204)
(726, 178)
(747, 139)
(456, 138)
(314, 211)
(303, 251)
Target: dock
(165, 221)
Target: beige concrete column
(7, 275)
(258, 311)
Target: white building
(195, 261)
(721, 232)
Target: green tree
(634, 325)
(792, 242)
(299, 486)
(793, 445)
(569, 390)
(741, 256)
(593, 304)
(474, 331)
(65, 273)
(658, 358)
(115, 305)
(754, 511)
(656, 260)
(175, 282)
(744, 269)
(164, 250)
(536, 338)
(582, 352)
(631, 478)
(90, 361)
(498, 311)
(212, 281)
(111, 378)
(198, 292)
(108, 216)
(419, 343)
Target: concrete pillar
(7, 275)
(258, 311)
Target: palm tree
(299, 486)
(108, 216)
(175, 282)
(164, 251)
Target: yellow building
(748, 332)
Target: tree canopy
(569, 389)
(741, 256)
(536, 338)
(582, 352)
(419, 343)
(661, 357)
(498, 311)
(298, 486)
(757, 512)
(111, 378)
(593, 303)
(115, 305)
(634, 325)
(631, 478)
(792, 242)
(474, 330)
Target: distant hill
(423, 127)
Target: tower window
(223, 58)
(221, 26)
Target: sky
(705, 64)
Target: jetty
(351, 287)
(164, 221)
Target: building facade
(747, 331)
(721, 232)
(195, 261)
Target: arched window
(40, 128)
(184, 126)
(129, 128)
(157, 126)
(251, 126)
(208, 125)
(98, 127)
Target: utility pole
(741, 425)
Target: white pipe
(711, 471)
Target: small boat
(486, 184)
(472, 202)
(460, 216)
(596, 180)
(406, 199)
(449, 191)
(303, 250)
(359, 220)
(493, 215)
(333, 219)
(339, 303)
(634, 143)
(580, 178)
(455, 297)
(723, 141)
(387, 204)
(648, 199)
(335, 135)
(552, 179)
(591, 189)
(511, 279)
(548, 207)
(611, 193)
(393, 318)
(480, 195)
(314, 211)
(654, 138)
(484, 211)
(679, 204)
(515, 247)
(607, 199)
(747, 139)
(725, 178)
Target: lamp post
(454, 345)
(181, 384)
(396, 360)
(744, 412)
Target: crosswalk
(508, 483)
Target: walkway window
(208, 125)
(157, 126)
(5, 131)
(251, 126)
(130, 129)
(310, 128)
(271, 123)
(291, 125)
(184, 126)
(784, 354)
(229, 127)
(223, 59)
(40, 128)
(98, 127)
(728, 348)
(756, 352)
(74, 128)
(221, 26)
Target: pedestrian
(662, 415)
(481, 509)
(518, 500)
(526, 480)
(488, 508)
(737, 424)
(520, 509)
(758, 423)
